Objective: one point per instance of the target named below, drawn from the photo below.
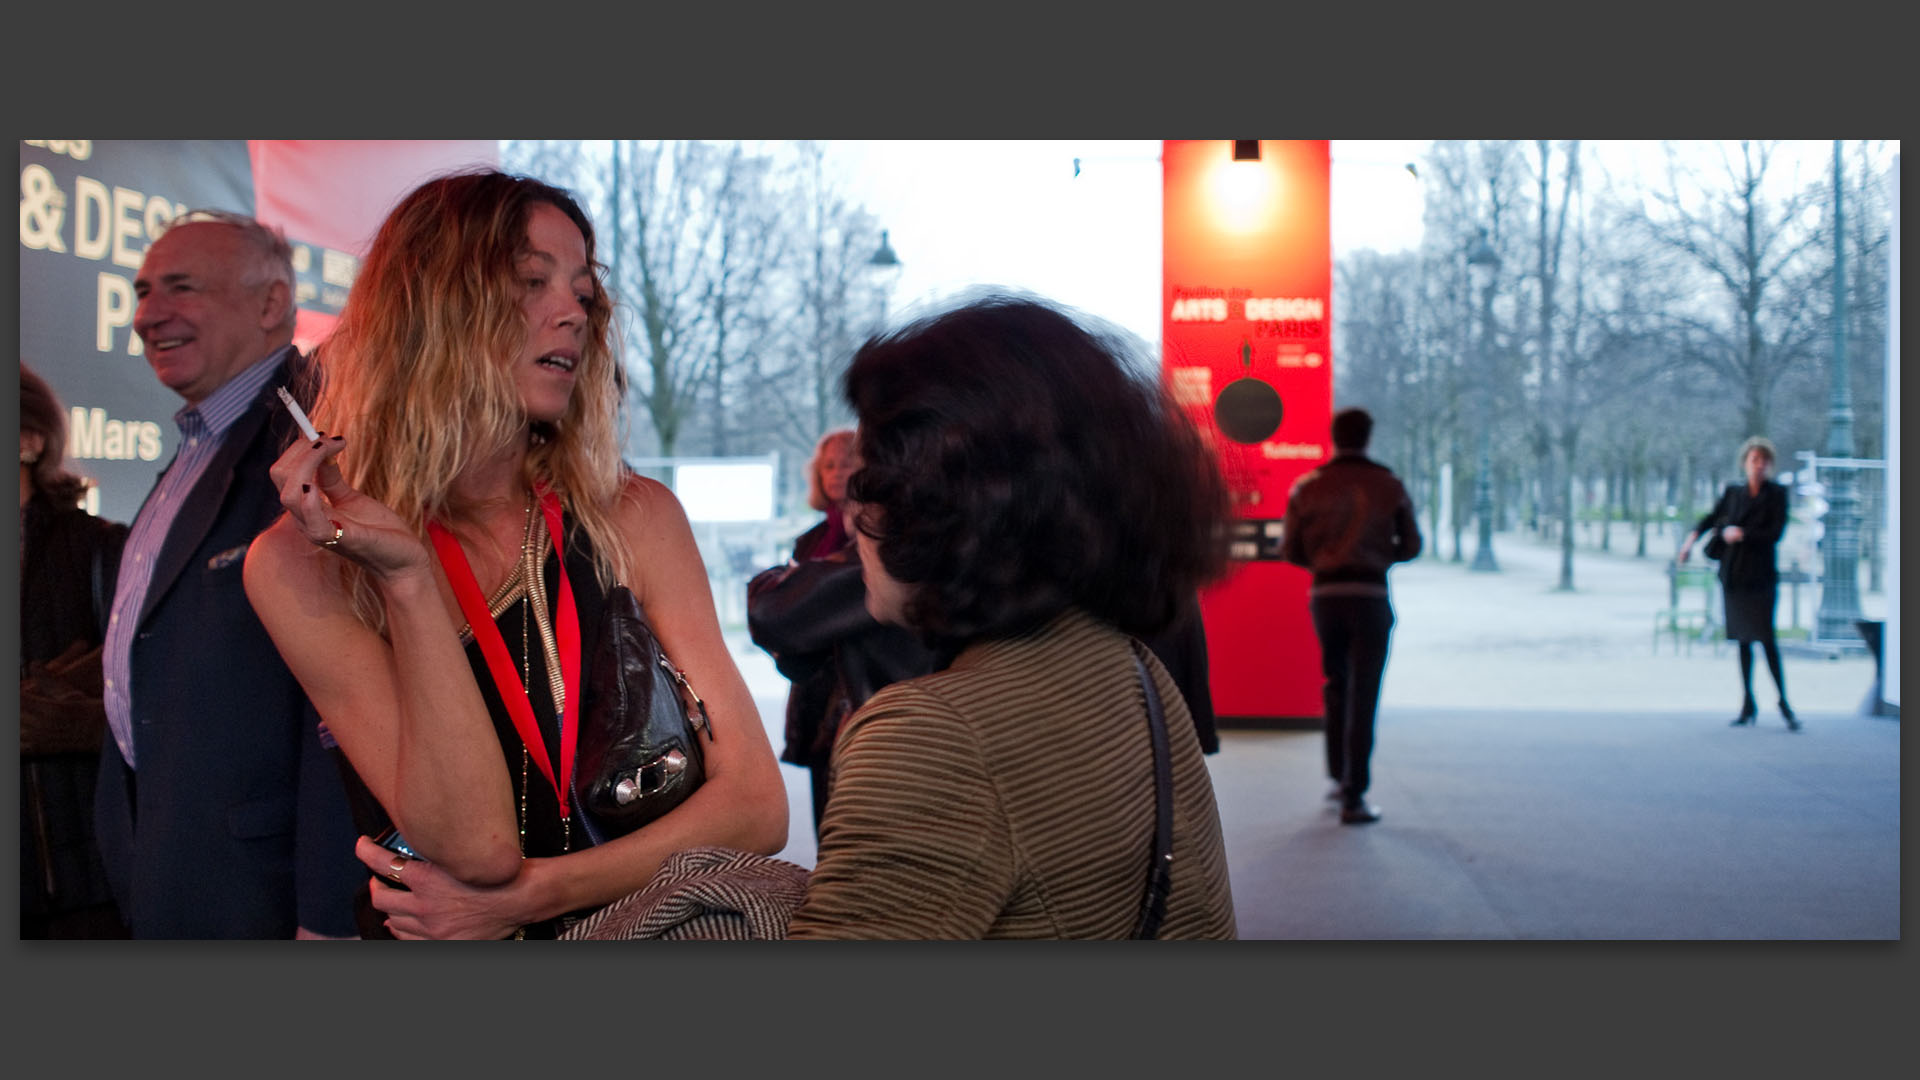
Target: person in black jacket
(1750, 518)
(1349, 521)
(811, 616)
(68, 559)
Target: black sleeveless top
(533, 798)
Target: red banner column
(1247, 345)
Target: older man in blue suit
(219, 814)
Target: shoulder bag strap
(1160, 873)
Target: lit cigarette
(299, 414)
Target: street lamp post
(885, 268)
(1840, 536)
(1483, 263)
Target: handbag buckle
(650, 777)
(696, 709)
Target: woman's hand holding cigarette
(333, 515)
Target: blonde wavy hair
(419, 368)
(836, 441)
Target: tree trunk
(1433, 492)
(1568, 441)
(1640, 506)
(1462, 495)
(1608, 494)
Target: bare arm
(742, 803)
(405, 708)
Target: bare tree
(1752, 244)
(1476, 186)
(1559, 365)
(751, 246)
(838, 300)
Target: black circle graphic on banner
(1248, 410)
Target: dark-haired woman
(68, 560)
(1750, 516)
(1028, 502)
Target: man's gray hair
(273, 255)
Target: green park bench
(1685, 619)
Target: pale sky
(966, 213)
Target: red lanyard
(513, 693)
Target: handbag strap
(1160, 873)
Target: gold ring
(338, 532)
(399, 864)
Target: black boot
(1786, 714)
(1358, 812)
(1748, 710)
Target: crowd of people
(332, 679)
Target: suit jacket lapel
(209, 495)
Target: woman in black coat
(811, 617)
(68, 562)
(1750, 518)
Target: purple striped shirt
(203, 428)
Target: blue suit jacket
(236, 823)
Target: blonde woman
(827, 477)
(469, 444)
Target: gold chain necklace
(532, 575)
(526, 593)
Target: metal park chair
(1685, 620)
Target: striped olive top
(1011, 796)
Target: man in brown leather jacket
(1348, 521)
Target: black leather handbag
(1716, 548)
(639, 753)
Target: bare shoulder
(647, 505)
(282, 561)
(276, 550)
(658, 534)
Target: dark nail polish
(305, 488)
(339, 438)
(317, 444)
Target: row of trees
(745, 283)
(1641, 326)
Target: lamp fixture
(1246, 149)
(1482, 260)
(884, 256)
